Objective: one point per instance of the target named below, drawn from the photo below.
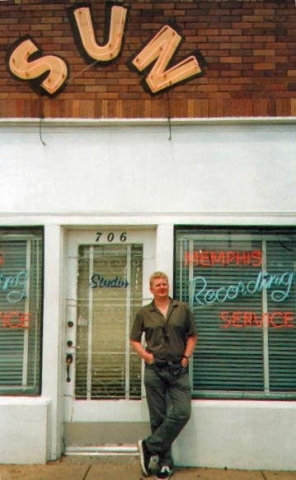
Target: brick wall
(249, 47)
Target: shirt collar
(173, 303)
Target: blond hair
(158, 275)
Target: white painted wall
(94, 173)
(53, 350)
(249, 435)
(117, 169)
(23, 430)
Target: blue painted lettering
(280, 283)
(15, 285)
(98, 281)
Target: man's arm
(190, 347)
(142, 352)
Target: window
(240, 284)
(109, 292)
(21, 253)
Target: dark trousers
(169, 403)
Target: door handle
(69, 360)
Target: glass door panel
(109, 292)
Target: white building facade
(89, 210)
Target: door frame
(109, 410)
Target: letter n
(161, 50)
(46, 73)
(82, 24)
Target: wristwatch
(186, 356)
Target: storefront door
(107, 281)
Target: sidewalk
(123, 468)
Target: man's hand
(149, 358)
(184, 362)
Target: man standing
(170, 337)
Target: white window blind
(20, 311)
(241, 287)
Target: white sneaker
(164, 473)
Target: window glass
(21, 253)
(109, 294)
(241, 287)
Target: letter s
(46, 73)
(93, 283)
(256, 258)
(226, 318)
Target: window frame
(23, 323)
(249, 232)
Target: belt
(166, 363)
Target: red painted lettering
(256, 320)
(189, 258)
(226, 318)
(248, 317)
(230, 258)
(288, 319)
(217, 258)
(205, 258)
(240, 319)
(15, 320)
(256, 258)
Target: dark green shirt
(166, 337)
